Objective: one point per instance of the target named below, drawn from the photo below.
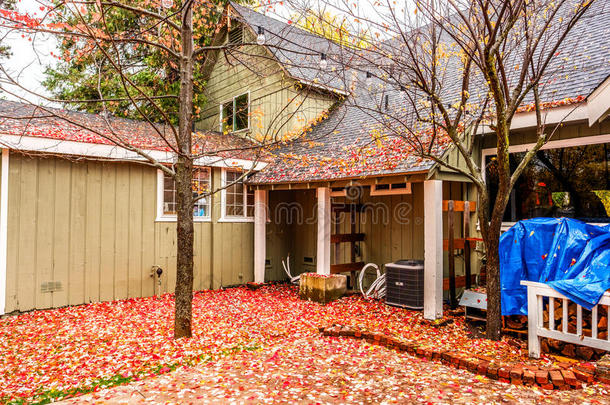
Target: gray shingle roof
(299, 51)
(343, 136)
(22, 119)
(341, 147)
(583, 62)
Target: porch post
(260, 234)
(433, 249)
(323, 258)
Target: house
(83, 220)
(401, 196)
(80, 221)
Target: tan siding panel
(91, 227)
(78, 213)
(93, 232)
(27, 236)
(121, 247)
(44, 227)
(136, 201)
(270, 91)
(148, 251)
(107, 245)
(61, 231)
(12, 263)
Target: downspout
(3, 227)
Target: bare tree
(461, 66)
(166, 27)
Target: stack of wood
(518, 323)
(515, 323)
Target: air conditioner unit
(405, 284)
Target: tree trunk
(494, 312)
(184, 177)
(185, 235)
(490, 231)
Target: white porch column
(260, 234)
(433, 249)
(3, 228)
(323, 258)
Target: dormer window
(235, 114)
(236, 35)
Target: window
(235, 114)
(338, 192)
(391, 189)
(566, 181)
(167, 198)
(238, 201)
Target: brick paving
(334, 370)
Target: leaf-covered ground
(330, 371)
(58, 353)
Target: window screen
(201, 184)
(241, 112)
(239, 200)
(234, 195)
(235, 114)
(562, 182)
(227, 117)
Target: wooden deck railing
(537, 328)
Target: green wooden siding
(562, 133)
(278, 105)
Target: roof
(297, 50)
(341, 147)
(22, 119)
(346, 144)
(583, 62)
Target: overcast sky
(30, 58)
(29, 62)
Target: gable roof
(341, 146)
(583, 61)
(27, 120)
(297, 50)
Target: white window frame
(162, 216)
(223, 198)
(232, 99)
(390, 191)
(563, 143)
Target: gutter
(113, 152)
(323, 87)
(556, 115)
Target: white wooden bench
(537, 330)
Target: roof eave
(52, 146)
(323, 87)
(598, 103)
(554, 115)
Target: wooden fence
(537, 329)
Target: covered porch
(338, 226)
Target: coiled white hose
(377, 288)
(286, 266)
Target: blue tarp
(570, 256)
